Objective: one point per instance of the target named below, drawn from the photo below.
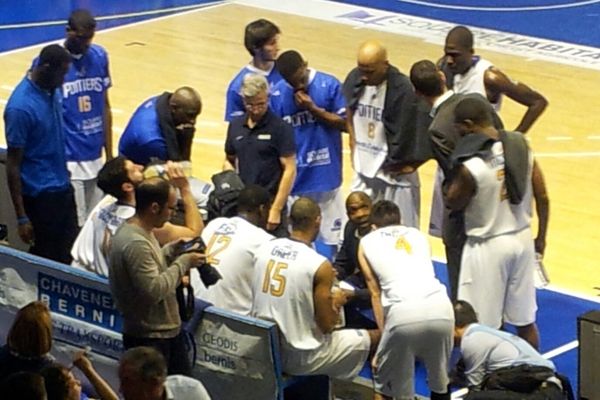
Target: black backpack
(222, 201)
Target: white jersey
(90, 249)
(472, 81)
(371, 146)
(231, 246)
(400, 258)
(489, 213)
(284, 271)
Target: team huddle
(284, 143)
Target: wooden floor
(204, 49)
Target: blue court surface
(562, 20)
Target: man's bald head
(305, 216)
(185, 105)
(372, 61)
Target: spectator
(143, 376)
(29, 341)
(36, 166)
(23, 386)
(61, 384)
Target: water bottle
(540, 277)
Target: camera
(208, 274)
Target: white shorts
(333, 215)
(341, 356)
(405, 195)
(87, 196)
(496, 277)
(415, 330)
(436, 217)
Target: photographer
(143, 276)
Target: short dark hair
(252, 197)
(384, 213)
(56, 381)
(304, 213)
(462, 36)
(149, 363)
(54, 56)
(23, 386)
(81, 19)
(464, 314)
(426, 79)
(476, 109)
(112, 176)
(288, 63)
(258, 33)
(151, 190)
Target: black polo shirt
(259, 149)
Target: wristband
(23, 220)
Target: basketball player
(469, 73)
(86, 111)
(231, 246)
(292, 286)
(382, 108)
(261, 39)
(496, 273)
(313, 104)
(410, 305)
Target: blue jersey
(34, 123)
(142, 138)
(318, 145)
(84, 91)
(235, 102)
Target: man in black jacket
(384, 120)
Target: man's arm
(153, 285)
(497, 82)
(350, 130)
(303, 100)
(460, 190)
(107, 118)
(326, 311)
(14, 157)
(193, 220)
(542, 207)
(373, 286)
(288, 164)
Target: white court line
(7, 88)
(577, 154)
(117, 110)
(559, 138)
(500, 9)
(560, 350)
(214, 142)
(594, 137)
(208, 6)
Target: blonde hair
(31, 332)
(253, 85)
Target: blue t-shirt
(142, 138)
(34, 122)
(234, 106)
(84, 91)
(318, 145)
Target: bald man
(162, 128)
(293, 286)
(383, 119)
(469, 73)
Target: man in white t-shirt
(411, 306)
(231, 246)
(382, 91)
(118, 179)
(293, 286)
(143, 376)
(496, 273)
